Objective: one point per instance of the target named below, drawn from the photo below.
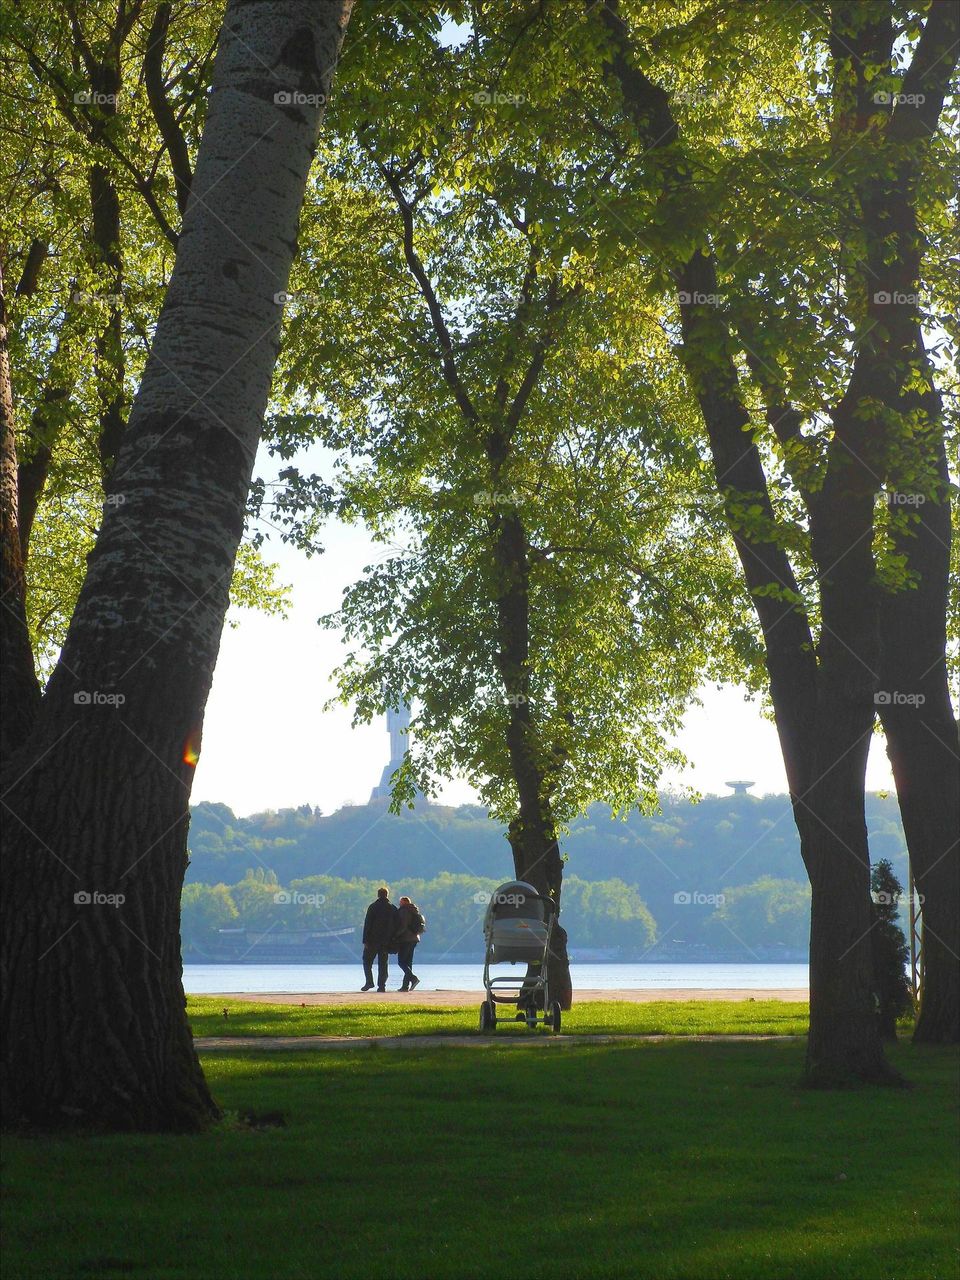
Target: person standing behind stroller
(379, 932)
(410, 925)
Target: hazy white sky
(268, 743)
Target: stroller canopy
(516, 925)
(515, 899)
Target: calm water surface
(208, 979)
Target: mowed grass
(660, 1161)
(678, 1018)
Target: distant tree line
(724, 874)
(605, 913)
(600, 914)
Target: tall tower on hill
(398, 722)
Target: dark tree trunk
(843, 1045)
(32, 471)
(922, 746)
(109, 361)
(19, 690)
(163, 112)
(94, 1006)
(888, 1027)
(95, 841)
(912, 683)
(825, 753)
(921, 732)
(824, 711)
(533, 836)
(537, 860)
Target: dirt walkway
(297, 1044)
(447, 999)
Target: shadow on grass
(746, 1017)
(674, 1161)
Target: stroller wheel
(488, 1019)
(555, 1016)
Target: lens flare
(191, 750)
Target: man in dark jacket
(379, 928)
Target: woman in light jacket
(409, 925)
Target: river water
(210, 979)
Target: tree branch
(418, 271)
(30, 276)
(163, 113)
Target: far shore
(623, 995)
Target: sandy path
(450, 998)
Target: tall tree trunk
(19, 689)
(533, 835)
(923, 750)
(921, 735)
(921, 732)
(823, 759)
(824, 712)
(95, 848)
(844, 1045)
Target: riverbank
(625, 995)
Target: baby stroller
(517, 929)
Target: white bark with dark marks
(92, 1001)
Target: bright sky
(269, 744)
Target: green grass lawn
(679, 1018)
(664, 1161)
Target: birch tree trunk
(95, 851)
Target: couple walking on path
(387, 929)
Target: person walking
(379, 932)
(410, 926)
